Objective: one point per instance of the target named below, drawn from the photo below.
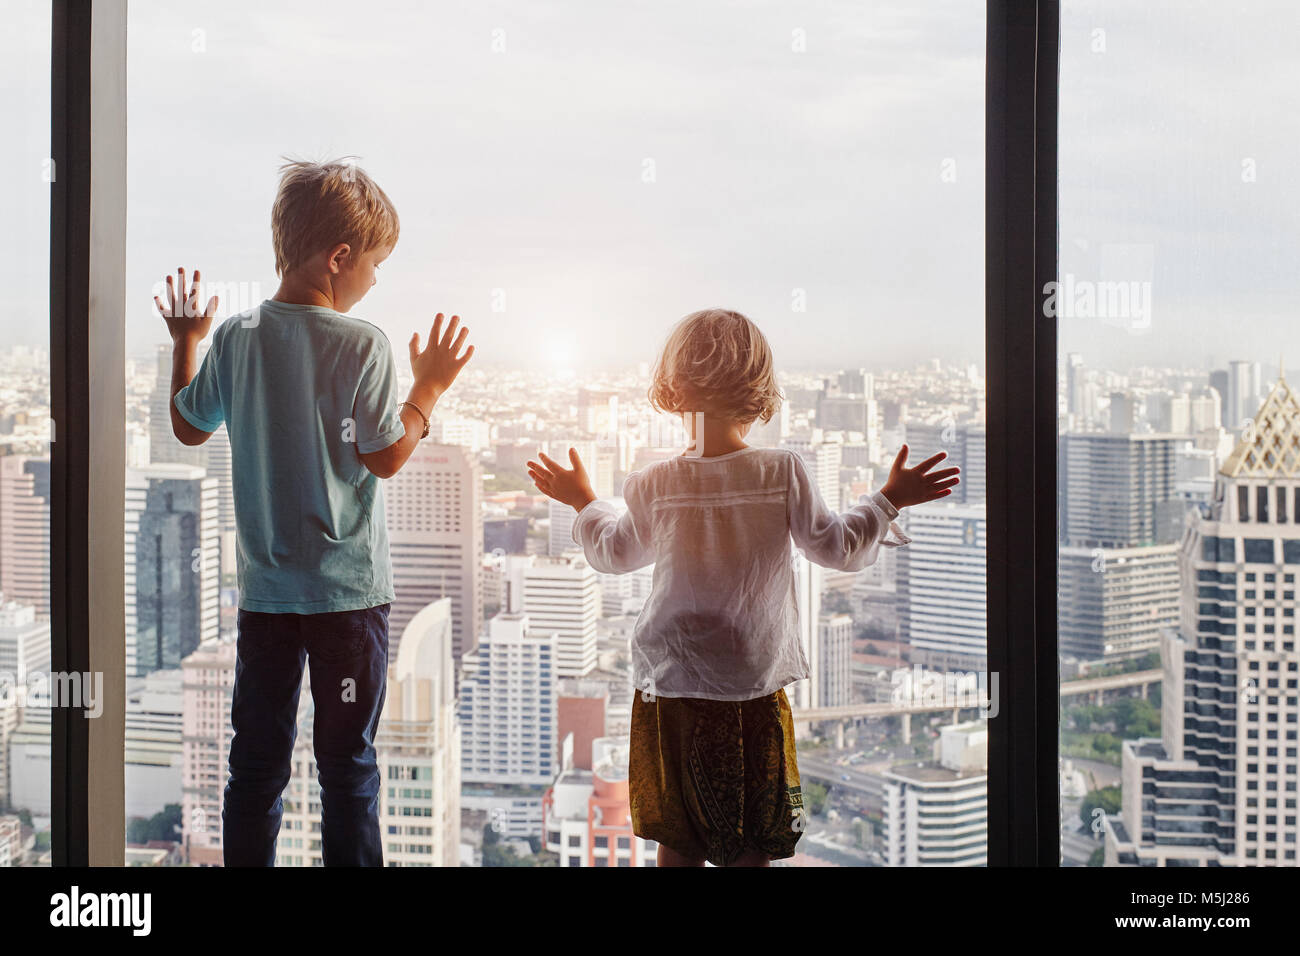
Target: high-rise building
(207, 689)
(177, 569)
(417, 749)
(965, 446)
(598, 412)
(936, 812)
(1218, 788)
(823, 460)
(507, 705)
(1114, 602)
(1243, 394)
(835, 660)
(435, 532)
(809, 582)
(562, 597)
(942, 586)
(418, 746)
(1120, 491)
(25, 531)
(154, 746)
(163, 446)
(24, 643)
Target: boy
(308, 396)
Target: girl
(712, 774)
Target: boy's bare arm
(435, 369)
(187, 327)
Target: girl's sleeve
(614, 544)
(849, 541)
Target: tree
(1107, 799)
(814, 798)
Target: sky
(574, 177)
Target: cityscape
(504, 740)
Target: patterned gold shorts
(715, 778)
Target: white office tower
(823, 459)
(25, 531)
(207, 685)
(835, 660)
(1243, 394)
(24, 646)
(586, 814)
(809, 581)
(466, 432)
(560, 539)
(562, 597)
(936, 812)
(1206, 410)
(598, 411)
(1114, 602)
(418, 747)
(11, 833)
(513, 567)
(163, 444)
(942, 583)
(9, 720)
(24, 726)
(29, 760)
(154, 734)
(1219, 786)
(507, 705)
(435, 532)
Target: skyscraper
(562, 597)
(418, 746)
(942, 585)
(1119, 491)
(435, 532)
(835, 660)
(1219, 786)
(208, 683)
(964, 444)
(177, 573)
(508, 705)
(25, 531)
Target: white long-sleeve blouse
(721, 621)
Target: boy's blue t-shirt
(302, 391)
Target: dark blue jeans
(347, 652)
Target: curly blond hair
(320, 205)
(718, 362)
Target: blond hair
(718, 362)
(320, 205)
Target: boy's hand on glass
(185, 323)
(914, 486)
(569, 486)
(438, 365)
